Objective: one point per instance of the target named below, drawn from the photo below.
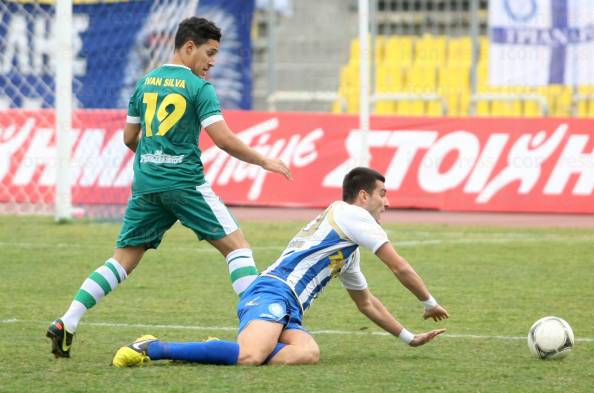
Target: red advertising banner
(455, 164)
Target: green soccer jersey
(171, 104)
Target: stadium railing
(522, 98)
(424, 97)
(305, 96)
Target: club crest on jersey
(276, 309)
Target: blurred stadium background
(459, 121)
(449, 133)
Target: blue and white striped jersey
(328, 247)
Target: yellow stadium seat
(483, 108)
(353, 102)
(464, 104)
(453, 101)
(591, 111)
(404, 108)
(482, 76)
(531, 109)
(586, 107)
(389, 78)
(354, 55)
(336, 107)
(582, 106)
(454, 78)
(586, 89)
(351, 95)
(433, 108)
(437, 64)
(421, 79)
(354, 51)
(384, 108)
(459, 51)
(558, 99)
(498, 108)
(349, 75)
(483, 49)
(518, 90)
(349, 83)
(417, 108)
(430, 50)
(507, 108)
(546, 92)
(344, 92)
(582, 109)
(399, 50)
(380, 49)
(564, 101)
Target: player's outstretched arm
(437, 313)
(226, 140)
(374, 309)
(412, 281)
(424, 338)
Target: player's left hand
(437, 313)
(424, 338)
(276, 165)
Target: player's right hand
(276, 165)
(424, 338)
(436, 313)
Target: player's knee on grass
(298, 354)
(252, 357)
(309, 354)
(314, 354)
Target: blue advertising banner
(115, 44)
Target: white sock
(242, 269)
(102, 281)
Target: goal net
(114, 44)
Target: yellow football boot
(133, 354)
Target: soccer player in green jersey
(166, 113)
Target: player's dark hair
(358, 179)
(197, 30)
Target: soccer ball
(550, 338)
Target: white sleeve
(211, 120)
(360, 227)
(133, 119)
(352, 277)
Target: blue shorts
(269, 299)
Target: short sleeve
(360, 227)
(133, 106)
(352, 277)
(208, 108)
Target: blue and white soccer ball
(550, 338)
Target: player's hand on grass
(436, 313)
(424, 338)
(276, 165)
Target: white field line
(227, 329)
(397, 244)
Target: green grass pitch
(495, 283)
